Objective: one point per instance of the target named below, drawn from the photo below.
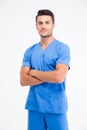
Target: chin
(44, 36)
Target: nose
(43, 25)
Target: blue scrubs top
(47, 97)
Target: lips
(43, 31)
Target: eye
(39, 23)
(47, 22)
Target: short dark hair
(45, 12)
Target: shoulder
(61, 46)
(30, 49)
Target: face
(44, 26)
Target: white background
(17, 32)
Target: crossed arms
(35, 77)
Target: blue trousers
(46, 121)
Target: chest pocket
(49, 62)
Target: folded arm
(56, 76)
(26, 79)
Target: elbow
(22, 83)
(59, 80)
(25, 82)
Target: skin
(44, 26)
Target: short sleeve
(64, 55)
(26, 58)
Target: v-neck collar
(47, 46)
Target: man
(44, 68)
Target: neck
(46, 40)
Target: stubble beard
(46, 36)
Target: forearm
(49, 76)
(28, 80)
(56, 76)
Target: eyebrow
(44, 21)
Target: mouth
(43, 31)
